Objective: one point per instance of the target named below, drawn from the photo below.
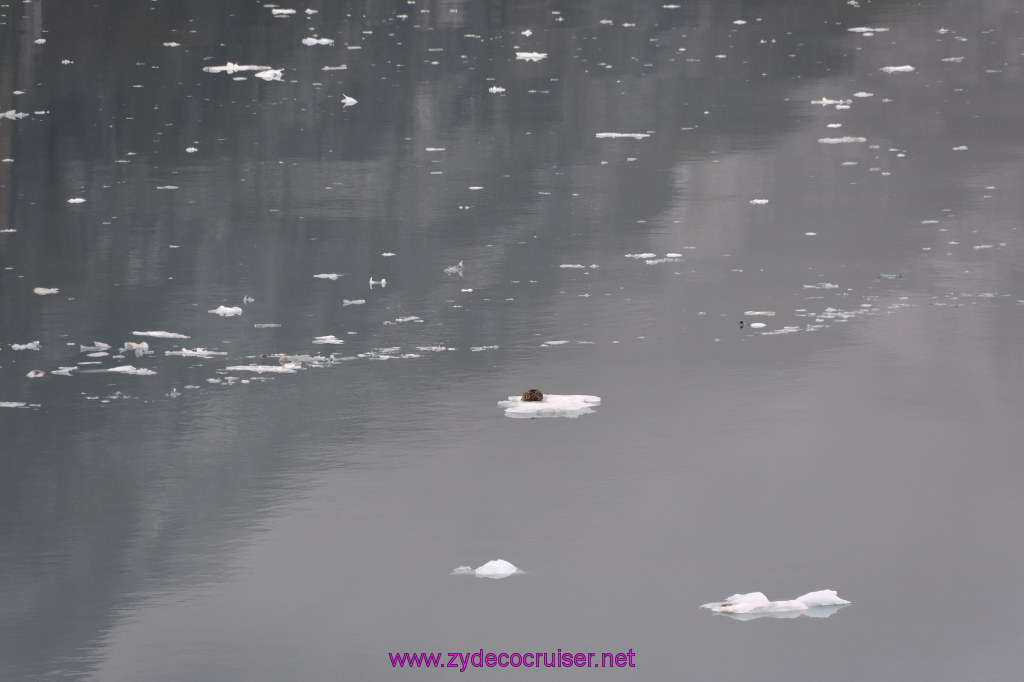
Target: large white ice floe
(162, 335)
(755, 604)
(226, 311)
(496, 568)
(571, 406)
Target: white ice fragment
(327, 275)
(821, 285)
(955, 60)
(757, 325)
(906, 68)
(264, 369)
(408, 318)
(635, 136)
(266, 325)
(96, 346)
(43, 291)
(454, 269)
(822, 598)
(740, 22)
(347, 101)
(167, 187)
(459, 570)
(329, 339)
(8, 403)
(271, 74)
(656, 261)
(388, 254)
(572, 265)
(825, 101)
(496, 568)
(842, 140)
(31, 345)
(281, 12)
(195, 353)
(495, 89)
(12, 114)
(981, 246)
(131, 369)
(382, 282)
(76, 200)
(571, 406)
(639, 256)
(531, 56)
(961, 148)
(231, 67)
(340, 67)
(162, 335)
(758, 603)
(317, 41)
(477, 349)
(758, 202)
(357, 301)
(865, 29)
(172, 44)
(526, 33)
(226, 311)
(765, 313)
(863, 94)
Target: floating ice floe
(12, 114)
(281, 12)
(162, 335)
(866, 29)
(270, 74)
(755, 603)
(454, 269)
(347, 101)
(195, 353)
(7, 403)
(265, 369)
(571, 406)
(848, 139)
(328, 339)
(477, 349)
(531, 56)
(172, 44)
(757, 325)
(96, 346)
(43, 291)
(125, 369)
(327, 275)
(139, 349)
(906, 68)
(495, 89)
(354, 301)
(231, 67)
(821, 285)
(339, 67)
(639, 256)
(317, 41)
(758, 202)
(31, 345)
(226, 311)
(382, 282)
(955, 60)
(657, 261)
(496, 568)
(76, 200)
(635, 136)
(825, 101)
(765, 313)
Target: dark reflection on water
(302, 526)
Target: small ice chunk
(822, 598)
(477, 349)
(31, 345)
(76, 200)
(317, 41)
(765, 313)
(865, 29)
(639, 256)
(327, 275)
(757, 325)
(863, 94)
(12, 115)
(262, 369)
(496, 568)
(139, 349)
(355, 301)
(347, 101)
(571, 406)
(231, 67)
(131, 369)
(281, 12)
(635, 136)
(329, 339)
(226, 311)
(458, 570)
(271, 74)
(848, 139)
(531, 56)
(63, 371)
(758, 603)
(961, 148)
(194, 353)
(382, 282)
(821, 285)
(162, 335)
(388, 254)
(572, 265)
(454, 269)
(8, 403)
(758, 202)
(43, 291)
(266, 325)
(172, 44)
(906, 68)
(35, 374)
(96, 346)
(495, 89)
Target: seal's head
(533, 395)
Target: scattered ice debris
(327, 275)
(382, 282)
(162, 335)
(226, 311)
(31, 345)
(127, 369)
(496, 568)
(906, 68)
(329, 339)
(43, 291)
(231, 67)
(12, 114)
(495, 89)
(477, 349)
(758, 202)
(531, 56)
(265, 369)
(271, 74)
(635, 136)
(765, 313)
(266, 325)
(246, 300)
(195, 353)
(821, 285)
(434, 349)
(756, 602)
(356, 301)
(571, 406)
(35, 374)
(317, 41)
(454, 269)
(848, 139)
(639, 256)
(347, 101)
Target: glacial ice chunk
(906, 68)
(162, 335)
(43, 291)
(31, 345)
(758, 603)
(130, 369)
(570, 406)
(317, 41)
(635, 136)
(496, 568)
(531, 56)
(264, 369)
(226, 311)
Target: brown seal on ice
(533, 395)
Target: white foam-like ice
(226, 311)
(496, 568)
(571, 406)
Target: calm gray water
(200, 523)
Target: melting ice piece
(226, 311)
(454, 269)
(635, 136)
(31, 345)
(35, 374)
(162, 335)
(126, 369)
(347, 101)
(495, 89)
(231, 67)
(766, 313)
(496, 568)
(281, 12)
(317, 41)
(7, 403)
(906, 68)
(355, 301)
(329, 339)
(848, 139)
(327, 275)
(758, 202)
(43, 291)
(63, 371)
(459, 570)
(261, 369)
(139, 349)
(194, 353)
(822, 603)
(271, 74)
(865, 29)
(571, 406)
(382, 282)
(531, 56)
